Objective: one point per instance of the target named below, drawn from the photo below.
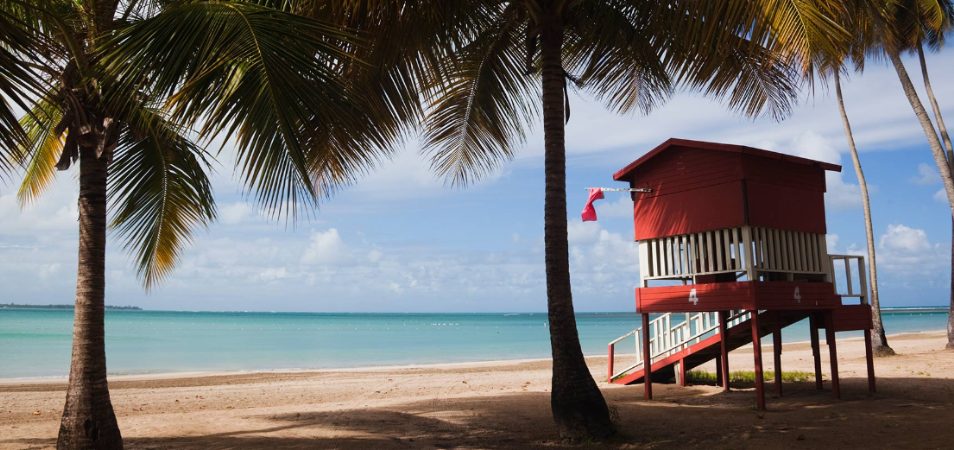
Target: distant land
(25, 306)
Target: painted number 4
(693, 298)
(797, 296)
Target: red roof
(687, 143)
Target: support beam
(647, 361)
(869, 356)
(719, 372)
(777, 350)
(609, 365)
(681, 372)
(832, 354)
(816, 350)
(723, 364)
(757, 352)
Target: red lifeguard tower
(731, 249)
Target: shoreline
(191, 374)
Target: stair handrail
(667, 339)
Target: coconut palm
(825, 56)
(132, 92)
(902, 25)
(631, 55)
(880, 345)
(921, 28)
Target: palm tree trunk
(88, 419)
(949, 148)
(937, 150)
(578, 406)
(881, 347)
(945, 137)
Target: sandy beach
(506, 405)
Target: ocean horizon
(36, 342)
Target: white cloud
(375, 255)
(54, 211)
(622, 206)
(905, 239)
(927, 175)
(235, 213)
(601, 261)
(272, 274)
(941, 196)
(325, 247)
(908, 252)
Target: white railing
(666, 339)
(748, 250)
(856, 271)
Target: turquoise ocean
(36, 342)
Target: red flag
(589, 212)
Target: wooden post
(870, 359)
(757, 352)
(816, 351)
(724, 349)
(609, 366)
(832, 354)
(647, 361)
(777, 350)
(719, 372)
(682, 372)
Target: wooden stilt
(647, 361)
(682, 372)
(832, 355)
(719, 372)
(816, 351)
(869, 356)
(723, 364)
(757, 352)
(777, 350)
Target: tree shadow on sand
(906, 412)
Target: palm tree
(825, 55)
(900, 26)
(631, 55)
(133, 91)
(920, 30)
(880, 344)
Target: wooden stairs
(700, 345)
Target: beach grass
(747, 377)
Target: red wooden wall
(698, 186)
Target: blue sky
(400, 240)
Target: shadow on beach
(905, 413)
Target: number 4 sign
(693, 298)
(797, 296)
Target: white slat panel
(655, 257)
(642, 249)
(718, 245)
(693, 254)
(684, 255)
(710, 254)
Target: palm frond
(617, 56)
(484, 108)
(257, 76)
(721, 48)
(17, 83)
(159, 192)
(43, 148)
